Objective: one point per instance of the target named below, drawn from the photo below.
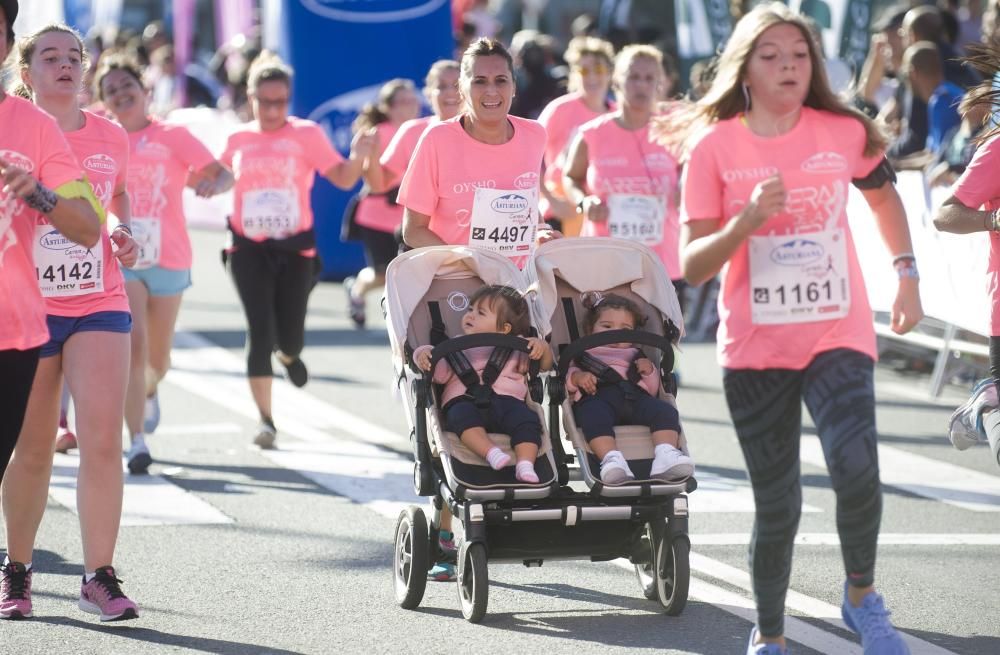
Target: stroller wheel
(473, 581)
(410, 558)
(673, 573)
(644, 571)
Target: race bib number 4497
(504, 221)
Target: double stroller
(643, 520)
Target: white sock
(7, 560)
(89, 575)
(525, 471)
(497, 458)
(139, 438)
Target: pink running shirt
(627, 162)
(817, 160)
(162, 156)
(511, 381)
(101, 147)
(978, 187)
(39, 147)
(274, 174)
(376, 212)
(397, 154)
(449, 164)
(561, 119)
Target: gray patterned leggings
(766, 408)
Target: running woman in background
(590, 62)
(459, 167)
(768, 137)
(163, 158)
(377, 215)
(623, 183)
(272, 259)
(88, 323)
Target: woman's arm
(127, 251)
(211, 180)
(887, 208)
(76, 217)
(575, 182)
(416, 230)
(346, 174)
(953, 216)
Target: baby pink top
(978, 187)
(162, 156)
(561, 119)
(397, 154)
(817, 160)
(626, 162)
(102, 148)
(509, 383)
(39, 147)
(274, 174)
(449, 164)
(376, 212)
(619, 359)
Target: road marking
(198, 428)
(380, 480)
(929, 478)
(149, 499)
(718, 494)
(832, 539)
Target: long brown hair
(376, 113)
(725, 98)
(986, 60)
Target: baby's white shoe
(614, 468)
(670, 463)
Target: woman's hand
(584, 381)
(595, 210)
(364, 144)
(906, 310)
(127, 250)
(423, 360)
(16, 180)
(767, 199)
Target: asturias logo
(825, 162)
(373, 11)
(55, 241)
(510, 204)
(14, 158)
(100, 164)
(797, 253)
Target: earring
(746, 97)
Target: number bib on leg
(149, 237)
(270, 213)
(636, 217)
(504, 221)
(65, 268)
(799, 278)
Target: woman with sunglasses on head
(272, 259)
(163, 160)
(770, 153)
(590, 62)
(89, 323)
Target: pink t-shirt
(162, 156)
(39, 147)
(978, 187)
(449, 164)
(376, 212)
(620, 360)
(561, 119)
(101, 147)
(627, 162)
(817, 160)
(274, 174)
(511, 381)
(397, 154)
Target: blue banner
(342, 52)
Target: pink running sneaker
(15, 591)
(65, 441)
(104, 596)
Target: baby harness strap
(607, 376)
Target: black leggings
(274, 288)
(766, 407)
(995, 361)
(17, 372)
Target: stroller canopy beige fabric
(600, 263)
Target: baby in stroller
(617, 384)
(501, 310)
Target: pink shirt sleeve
(979, 184)
(701, 185)
(396, 156)
(189, 150)
(418, 190)
(319, 151)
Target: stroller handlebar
(466, 341)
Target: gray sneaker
(991, 424)
(266, 435)
(965, 428)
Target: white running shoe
(965, 428)
(669, 463)
(614, 468)
(138, 457)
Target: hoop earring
(746, 97)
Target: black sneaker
(296, 372)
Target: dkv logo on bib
(373, 11)
(797, 252)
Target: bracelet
(902, 257)
(580, 205)
(124, 228)
(908, 271)
(41, 199)
(995, 220)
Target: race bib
(270, 213)
(64, 268)
(149, 237)
(636, 217)
(505, 221)
(799, 278)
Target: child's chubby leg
(669, 463)
(514, 417)
(465, 419)
(596, 416)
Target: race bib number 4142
(65, 268)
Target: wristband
(908, 271)
(995, 220)
(41, 199)
(903, 257)
(124, 228)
